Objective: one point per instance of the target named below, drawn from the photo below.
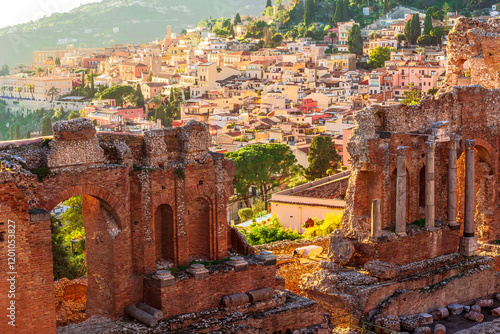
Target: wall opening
(199, 232)
(164, 234)
(421, 188)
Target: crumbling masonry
(149, 203)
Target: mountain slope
(114, 21)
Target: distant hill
(114, 21)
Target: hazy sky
(21, 11)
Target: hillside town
(293, 172)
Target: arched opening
(199, 232)
(164, 235)
(83, 225)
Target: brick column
(452, 182)
(401, 191)
(429, 185)
(468, 243)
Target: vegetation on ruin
(42, 172)
(68, 241)
(268, 231)
(331, 222)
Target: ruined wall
(477, 43)
(123, 179)
(472, 112)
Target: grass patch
(420, 223)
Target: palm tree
(18, 90)
(53, 91)
(31, 88)
(10, 89)
(3, 89)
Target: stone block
(455, 308)
(165, 277)
(440, 313)
(474, 316)
(475, 308)
(496, 312)
(482, 303)
(390, 322)
(198, 270)
(310, 251)
(468, 246)
(466, 308)
(411, 322)
(267, 257)
(340, 250)
(423, 330)
(440, 329)
(235, 300)
(427, 319)
(238, 263)
(383, 270)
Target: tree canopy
(264, 166)
(309, 11)
(379, 56)
(322, 156)
(46, 127)
(355, 40)
(117, 92)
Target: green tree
(117, 92)
(379, 56)
(337, 17)
(18, 132)
(53, 92)
(11, 133)
(355, 40)
(425, 40)
(437, 33)
(245, 214)
(428, 21)
(407, 31)
(413, 95)
(150, 76)
(28, 134)
(58, 61)
(73, 114)
(446, 10)
(265, 166)
(415, 28)
(387, 6)
(46, 127)
(58, 114)
(345, 10)
(322, 156)
(5, 70)
(277, 39)
(237, 19)
(269, 3)
(309, 12)
(400, 38)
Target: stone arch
(101, 193)
(104, 218)
(200, 229)
(164, 227)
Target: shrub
(331, 222)
(269, 231)
(257, 207)
(245, 214)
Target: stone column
(468, 243)
(376, 219)
(401, 191)
(452, 182)
(429, 185)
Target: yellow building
(43, 89)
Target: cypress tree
(28, 134)
(11, 133)
(308, 12)
(46, 127)
(18, 132)
(338, 12)
(387, 6)
(428, 21)
(322, 155)
(269, 4)
(345, 11)
(355, 40)
(415, 28)
(237, 19)
(407, 30)
(140, 97)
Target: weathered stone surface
(440, 313)
(440, 329)
(340, 250)
(455, 308)
(496, 312)
(423, 330)
(474, 316)
(411, 322)
(383, 270)
(427, 318)
(484, 303)
(308, 251)
(391, 323)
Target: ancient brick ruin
(149, 203)
(422, 200)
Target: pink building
(423, 75)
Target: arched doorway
(199, 232)
(164, 233)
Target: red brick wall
(191, 295)
(199, 231)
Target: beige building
(45, 89)
(311, 200)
